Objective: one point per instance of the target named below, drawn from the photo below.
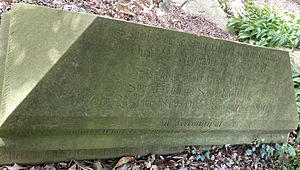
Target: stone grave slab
(25, 157)
(77, 83)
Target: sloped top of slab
(4, 33)
(38, 37)
(71, 71)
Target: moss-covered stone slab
(73, 82)
(25, 157)
(129, 138)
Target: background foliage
(267, 27)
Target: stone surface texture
(110, 88)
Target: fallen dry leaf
(82, 165)
(15, 167)
(49, 167)
(123, 161)
(151, 158)
(123, 8)
(73, 167)
(166, 164)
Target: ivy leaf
(82, 10)
(248, 152)
(291, 150)
(277, 146)
(200, 157)
(263, 153)
(207, 155)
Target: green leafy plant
(288, 149)
(267, 27)
(293, 161)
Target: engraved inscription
(191, 124)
